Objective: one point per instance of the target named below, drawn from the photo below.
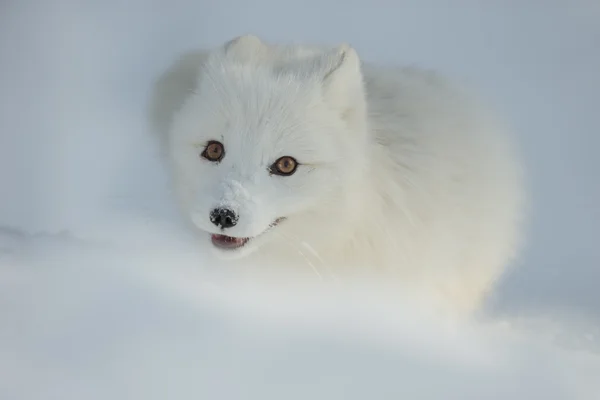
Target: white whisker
(301, 253)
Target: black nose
(223, 217)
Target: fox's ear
(245, 48)
(342, 80)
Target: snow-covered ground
(121, 306)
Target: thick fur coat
(396, 170)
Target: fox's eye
(284, 166)
(214, 151)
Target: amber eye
(214, 151)
(284, 166)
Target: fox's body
(397, 171)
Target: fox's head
(270, 144)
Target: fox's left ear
(342, 81)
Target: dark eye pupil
(285, 165)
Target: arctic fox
(305, 156)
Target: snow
(122, 306)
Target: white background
(74, 155)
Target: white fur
(401, 172)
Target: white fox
(305, 156)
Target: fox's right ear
(341, 64)
(342, 80)
(245, 48)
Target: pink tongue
(227, 242)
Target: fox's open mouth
(231, 243)
(228, 242)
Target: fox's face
(266, 147)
